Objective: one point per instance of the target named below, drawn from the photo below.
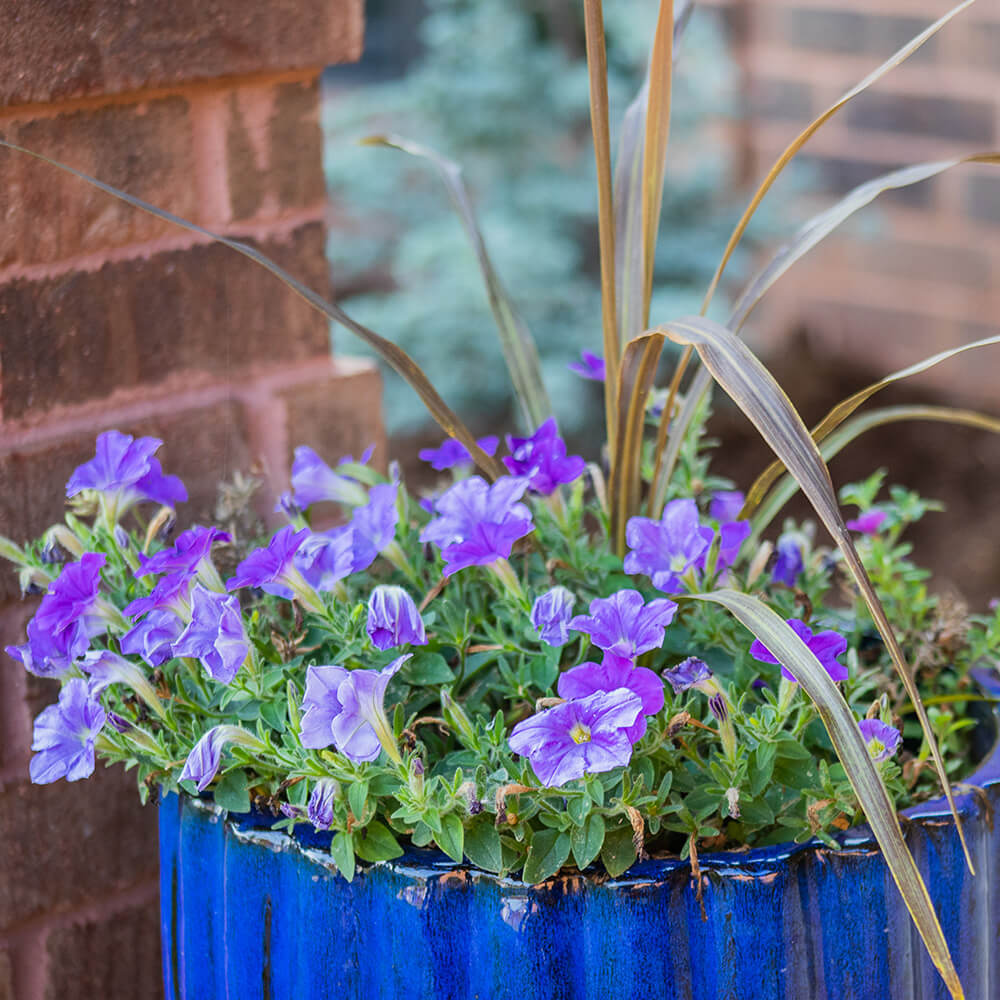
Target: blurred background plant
(518, 124)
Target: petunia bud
(551, 614)
(393, 619)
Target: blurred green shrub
(501, 87)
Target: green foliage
(501, 87)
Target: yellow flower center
(580, 733)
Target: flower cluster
(408, 667)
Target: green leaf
(618, 852)
(451, 837)
(342, 852)
(547, 853)
(587, 840)
(422, 835)
(427, 669)
(482, 845)
(357, 797)
(763, 768)
(518, 345)
(273, 713)
(376, 843)
(232, 794)
(846, 737)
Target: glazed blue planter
(250, 914)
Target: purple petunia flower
(125, 472)
(345, 707)
(172, 592)
(192, 548)
(542, 459)
(882, 740)
(64, 735)
(271, 567)
(373, 525)
(478, 523)
(868, 523)
(393, 619)
(313, 481)
(689, 673)
(788, 563)
(326, 557)
(623, 625)
(584, 736)
(611, 675)
(732, 535)
(666, 549)
(50, 654)
(203, 761)
(726, 505)
(215, 634)
(452, 452)
(551, 613)
(590, 366)
(153, 637)
(320, 807)
(825, 646)
(73, 597)
(107, 668)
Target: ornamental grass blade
(836, 441)
(846, 407)
(807, 133)
(850, 746)
(394, 356)
(752, 387)
(654, 157)
(629, 268)
(635, 379)
(821, 225)
(597, 69)
(518, 345)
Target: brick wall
(919, 271)
(111, 318)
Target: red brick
(83, 334)
(840, 175)
(117, 958)
(51, 50)
(276, 161)
(339, 415)
(853, 33)
(969, 267)
(65, 844)
(144, 149)
(21, 695)
(6, 977)
(953, 119)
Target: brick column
(111, 318)
(916, 272)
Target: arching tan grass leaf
(518, 345)
(849, 744)
(395, 356)
(837, 440)
(752, 387)
(635, 379)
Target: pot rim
(424, 862)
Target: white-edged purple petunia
(64, 735)
(624, 626)
(215, 635)
(610, 675)
(205, 758)
(583, 736)
(478, 523)
(393, 619)
(665, 550)
(125, 472)
(542, 459)
(346, 708)
(826, 646)
(882, 740)
(451, 453)
(320, 806)
(551, 614)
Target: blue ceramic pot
(248, 913)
